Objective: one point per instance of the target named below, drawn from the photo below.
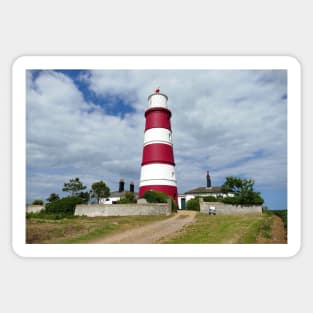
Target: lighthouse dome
(157, 99)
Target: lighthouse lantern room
(158, 166)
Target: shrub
(193, 204)
(159, 197)
(37, 202)
(155, 197)
(211, 199)
(63, 206)
(128, 198)
(252, 198)
(231, 200)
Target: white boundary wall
(222, 208)
(93, 210)
(32, 208)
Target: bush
(211, 199)
(193, 204)
(231, 200)
(128, 198)
(37, 202)
(155, 197)
(252, 198)
(63, 206)
(159, 197)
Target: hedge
(65, 205)
(193, 204)
(155, 196)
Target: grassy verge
(225, 229)
(47, 229)
(283, 214)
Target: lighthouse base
(169, 190)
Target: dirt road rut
(155, 232)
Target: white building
(213, 191)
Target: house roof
(201, 190)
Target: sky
(90, 124)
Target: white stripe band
(155, 135)
(158, 171)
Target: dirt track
(152, 233)
(278, 234)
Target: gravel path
(152, 233)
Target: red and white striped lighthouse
(158, 166)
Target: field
(202, 228)
(80, 229)
(228, 229)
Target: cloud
(61, 134)
(230, 122)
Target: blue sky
(90, 123)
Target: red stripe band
(158, 153)
(158, 118)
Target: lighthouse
(158, 166)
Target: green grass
(43, 215)
(224, 229)
(101, 230)
(207, 229)
(80, 229)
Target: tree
(84, 196)
(53, 197)
(242, 190)
(237, 185)
(37, 202)
(74, 187)
(99, 190)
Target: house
(117, 195)
(213, 191)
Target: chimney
(208, 180)
(121, 185)
(131, 187)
